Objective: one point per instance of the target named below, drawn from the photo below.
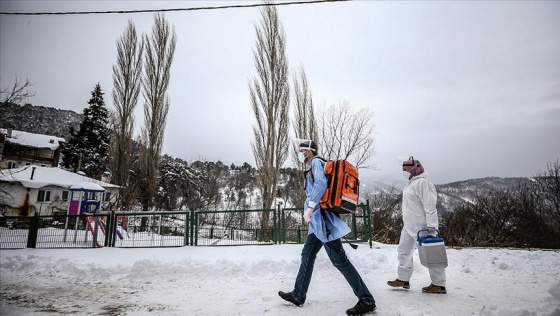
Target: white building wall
(16, 194)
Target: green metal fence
(50, 232)
(148, 229)
(14, 232)
(234, 227)
(169, 229)
(293, 228)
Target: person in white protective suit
(418, 212)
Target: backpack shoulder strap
(311, 172)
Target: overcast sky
(471, 89)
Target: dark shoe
(434, 289)
(399, 283)
(290, 298)
(361, 308)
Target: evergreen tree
(88, 147)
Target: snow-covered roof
(33, 140)
(87, 186)
(48, 176)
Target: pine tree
(88, 147)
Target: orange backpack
(343, 187)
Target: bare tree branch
(303, 125)
(17, 92)
(347, 134)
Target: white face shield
(302, 145)
(300, 141)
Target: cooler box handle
(428, 239)
(425, 230)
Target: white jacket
(419, 204)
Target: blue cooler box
(431, 251)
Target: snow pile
(244, 280)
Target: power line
(171, 10)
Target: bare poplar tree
(127, 75)
(16, 92)
(304, 124)
(347, 134)
(158, 57)
(270, 100)
(304, 127)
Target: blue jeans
(339, 260)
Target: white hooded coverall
(418, 212)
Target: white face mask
(301, 157)
(406, 175)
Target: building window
(44, 196)
(65, 195)
(11, 165)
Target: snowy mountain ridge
(52, 121)
(39, 119)
(452, 194)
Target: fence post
(114, 225)
(195, 229)
(33, 231)
(190, 237)
(369, 226)
(187, 228)
(281, 213)
(94, 242)
(108, 235)
(275, 230)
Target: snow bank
(244, 280)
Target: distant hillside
(39, 119)
(453, 194)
